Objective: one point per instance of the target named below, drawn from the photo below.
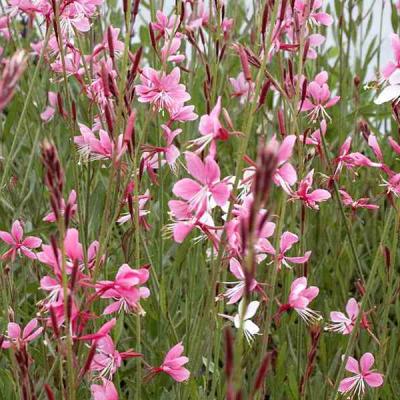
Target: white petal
(395, 77)
(236, 321)
(251, 328)
(388, 94)
(240, 308)
(251, 309)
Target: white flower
(249, 327)
(391, 92)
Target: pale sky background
(386, 52)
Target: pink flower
(173, 364)
(118, 45)
(285, 174)
(162, 91)
(316, 17)
(314, 40)
(125, 290)
(163, 24)
(15, 337)
(351, 160)
(4, 27)
(315, 139)
(142, 201)
(71, 203)
(242, 88)
(300, 297)
(105, 391)
(354, 204)
(211, 130)
(393, 185)
(182, 113)
(318, 97)
(207, 190)
(363, 375)
(94, 148)
(73, 63)
(226, 26)
(170, 151)
(26, 6)
(73, 251)
(198, 19)
(18, 244)
(343, 323)
(185, 220)
(48, 114)
(169, 52)
(107, 359)
(288, 239)
(391, 66)
(265, 229)
(103, 331)
(394, 145)
(310, 199)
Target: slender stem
(363, 305)
(17, 132)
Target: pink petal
(47, 114)
(374, 379)
(6, 237)
(211, 170)
(332, 101)
(195, 167)
(310, 293)
(32, 242)
(288, 239)
(113, 307)
(347, 384)
(316, 39)
(81, 24)
(17, 231)
(34, 335)
(186, 188)
(72, 246)
(366, 362)
(352, 365)
(319, 195)
(180, 375)
(352, 308)
(299, 260)
(298, 284)
(13, 330)
(395, 146)
(174, 352)
(307, 105)
(28, 253)
(373, 143)
(288, 173)
(286, 148)
(323, 18)
(337, 316)
(299, 303)
(236, 269)
(388, 69)
(179, 209)
(181, 230)
(220, 193)
(396, 46)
